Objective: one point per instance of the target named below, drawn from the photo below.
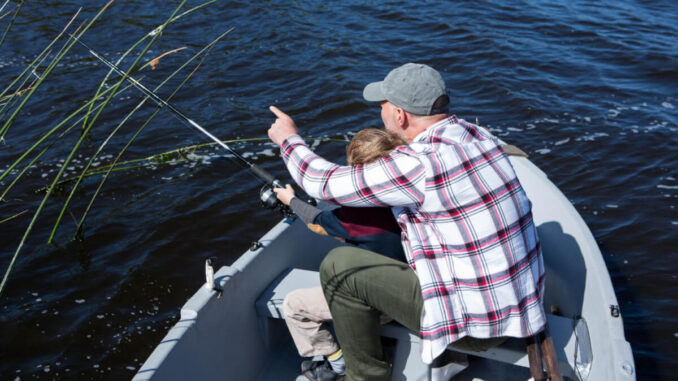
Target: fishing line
(266, 194)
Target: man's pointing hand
(282, 128)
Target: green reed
(207, 48)
(15, 97)
(11, 21)
(47, 71)
(88, 124)
(3, 196)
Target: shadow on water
(76, 248)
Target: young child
(306, 311)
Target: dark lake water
(588, 89)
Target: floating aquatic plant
(171, 157)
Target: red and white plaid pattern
(467, 227)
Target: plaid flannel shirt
(467, 227)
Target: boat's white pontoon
(241, 336)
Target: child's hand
(284, 195)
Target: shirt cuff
(304, 210)
(289, 144)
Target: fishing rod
(266, 194)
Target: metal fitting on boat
(209, 273)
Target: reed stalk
(45, 52)
(54, 130)
(22, 90)
(64, 50)
(88, 126)
(155, 33)
(14, 216)
(42, 53)
(17, 94)
(208, 47)
(90, 103)
(54, 141)
(10, 99)
(68, 46)
(11, 22)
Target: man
(475, 271)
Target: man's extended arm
(396, 180)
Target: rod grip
(263, 174)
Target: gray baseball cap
(412, 87)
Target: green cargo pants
(359, 285)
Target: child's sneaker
(319, 371)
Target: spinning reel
(270, 201)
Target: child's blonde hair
(371, 144)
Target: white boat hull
(222, 338)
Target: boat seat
(270, 302)
(567, 334)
